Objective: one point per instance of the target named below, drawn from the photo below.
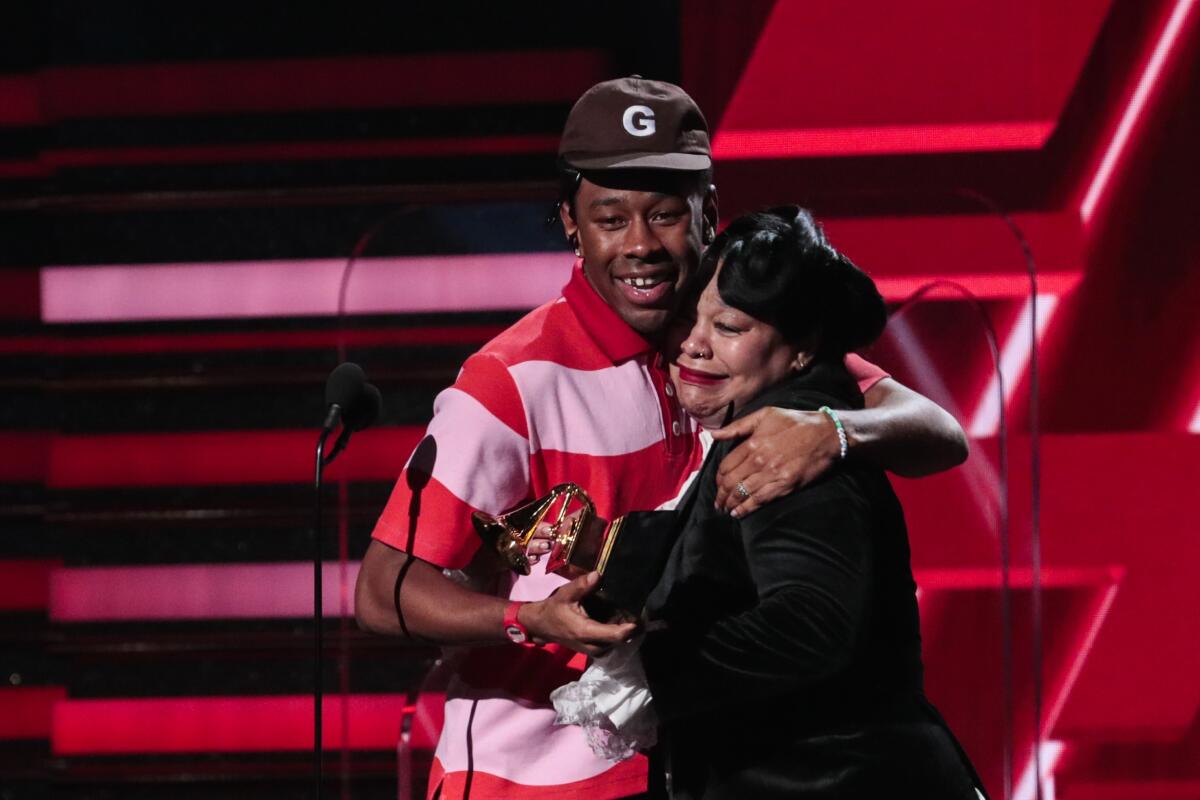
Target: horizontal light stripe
(26, 455)
(19, 102)
(962, 246)
(219, 458)
(1050, 577)
(300, 151)
(240, 289)
(47, 161)
(284, 590)
(23, 169)
(880, 140)
(310, 84)
(24, 584)
(195, 591)
(19, 299)
(564, 405)
(901, 253)
(25, 711)
(195, 342)
(130, 293)
(223, 724)
(516, 742)
(986, 286)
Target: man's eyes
(658, 218)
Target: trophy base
(634, 558)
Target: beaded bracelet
(841, 430)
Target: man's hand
(561, 619)
(786, 450)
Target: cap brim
(684, 162)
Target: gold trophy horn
(568, 510)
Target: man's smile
(647, 289)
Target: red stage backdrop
(202, 215)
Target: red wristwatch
(513, 628)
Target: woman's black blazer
(784, 649)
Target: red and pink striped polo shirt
(568, 393)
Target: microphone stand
(318, 615)
(318, 587)
(356, 404)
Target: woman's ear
(806, 351)
(803, 359)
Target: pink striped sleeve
(471, 459)
(863, 371)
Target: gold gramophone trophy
(581, 542)
(577, 543)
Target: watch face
(516, 634)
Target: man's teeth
(643, 283)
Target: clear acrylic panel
(973, 529)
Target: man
(578, 391)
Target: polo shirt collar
(615, 338)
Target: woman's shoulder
(823, 384)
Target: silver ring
(741, 490)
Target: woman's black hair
(777, 266)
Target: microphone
(352, 401)
(345, 385)
(364, 410)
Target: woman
(784, 652)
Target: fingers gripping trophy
(582, 542)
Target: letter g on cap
(638, 121)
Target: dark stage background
(182, 189)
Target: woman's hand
(560, 618)
(787, 449)
(541, 542)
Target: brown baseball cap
(633, 123)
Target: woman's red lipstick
(700, 378)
